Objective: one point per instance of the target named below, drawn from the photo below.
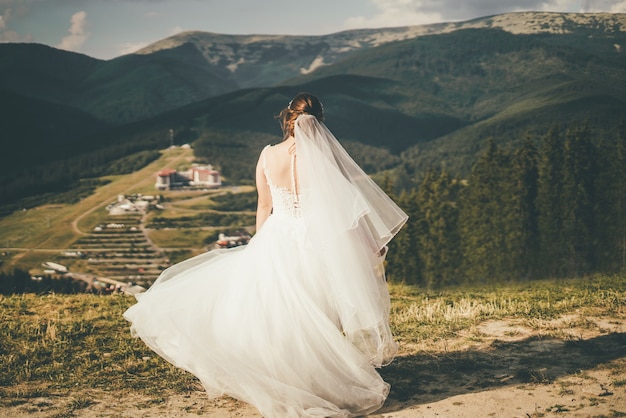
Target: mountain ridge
(432, 100)
(336, 46)
(193, 66)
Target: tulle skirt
(264, 324)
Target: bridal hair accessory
(291, 101)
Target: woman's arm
(264, 203)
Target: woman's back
(279, 166)
(280, 170)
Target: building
(205, 176)
(169, 178)
(200, 176)
(131, 204)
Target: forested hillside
(555, 206)
(494, 84)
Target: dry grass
(419, 316)
(62, 347)
(188, 238)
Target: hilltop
(541, 349)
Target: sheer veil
(332, 180)
(349, 219)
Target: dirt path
(513, 371)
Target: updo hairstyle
(303, 103)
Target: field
(188, 223)
(540, 349)
(35, 235)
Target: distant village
(199, 176)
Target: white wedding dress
(294, 323)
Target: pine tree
(485, 218)
(619, 176)
(439, 241)
(403, 257)
(577, 205)
(549, 204)
(611, 203)
(525, 229)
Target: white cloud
(6, 34)
(4, 18)
(152, 14)
(131, 47)
(618, 8)
(176, 29)
(612, 6)
(602, 5)
(417, 12)
(78, 34)
(14, 37)
(395, 13)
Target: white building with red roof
(205, 176)
(200, 176)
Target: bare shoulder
(284, 148)
(277, 150)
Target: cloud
(131, 47)
(5, 16)
(78, 35)
(395, 13)
(416, 12)
(618, 8)
(176, 30)
(6, 34)
(13, 37)
(612, 6)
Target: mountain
(265, 60)
(429, 101)
(413, 97)
(34, 131)
(192, 66)
(44, 72)
(117, 91)
(494, 84)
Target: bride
(296, 322)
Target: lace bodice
(284, 201)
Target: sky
(108, 28)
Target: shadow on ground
(424, 378)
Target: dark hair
(303, 103)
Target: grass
(181, 238)
(419, 315)
(57, 345)
(28, 228)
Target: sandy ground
(573, 367)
